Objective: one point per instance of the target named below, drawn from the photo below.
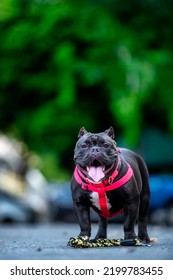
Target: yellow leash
(84, 242)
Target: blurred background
(67, 64)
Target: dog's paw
(79, 242)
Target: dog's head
(96, 154)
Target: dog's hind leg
(143, 219)
(144, 206)
(102, 230)
(144, 201)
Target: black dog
(110, 181)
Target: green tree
(92, 63)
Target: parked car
(13, 210)
(161, 199)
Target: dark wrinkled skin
(134, 196)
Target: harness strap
(101, 189)
(102, 202)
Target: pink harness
(104, 186)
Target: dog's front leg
(83, 217)
(131, 215)
(102, 230)
(82, 213)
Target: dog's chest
(94, 198)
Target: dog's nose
(95, 150)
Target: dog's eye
(105, 145)
(83, 146)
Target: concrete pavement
(49, 241)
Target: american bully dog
(111, 181)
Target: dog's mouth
(96, 171)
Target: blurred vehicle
(22, 188)
(161, 199)
(60, 201)
(13, 210)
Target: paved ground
(50, 242)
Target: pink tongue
(96, 173)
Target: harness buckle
(110, 180)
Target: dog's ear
(82, 131)
(110, 132)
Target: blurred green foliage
(66, 64)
